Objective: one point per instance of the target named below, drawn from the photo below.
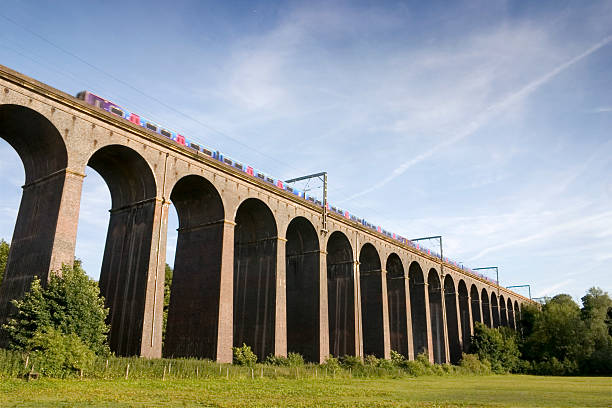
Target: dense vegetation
(560, 338)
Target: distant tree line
(560, 338)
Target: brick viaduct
(252, 265)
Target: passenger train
(92, 99)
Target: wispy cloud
(553, 288)
(483, 118)
(603, 109)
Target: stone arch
(303, 283)
(517, 315)
(255, 247)
(193, 314)
(129, 254)
(370, 279)
(494, 309)
(45, 230)
(476, 310)
(396, 295)
(503, 317)
(464, 314)
(418, 308)
(486, 311)
(436, 317)
(511, 322)
(452, 322)
(340, 295)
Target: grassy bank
(445, 391)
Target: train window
(270, 180)
(151, 127)
(194, 146)
(166, 133)
(227, 161)
(261, 176)
(238, 166)
(289, 189)
(206, 151)
(116, 111)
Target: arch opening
(370, 280)
(486, 311)
(396, 295)
(436, 317)
(464, 314)
(340, 295)
(418, 309)
(255, 246)
(517, 315)
(303, 283)
(193, 311)
(503, 317)
(126, 263)
(494, 309)
(511, 322)
(475, 299)
(452, 322)
(37, 244)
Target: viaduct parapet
(252, 265)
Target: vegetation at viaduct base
(59, 330)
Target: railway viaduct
(252, 262)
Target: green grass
(431, 391)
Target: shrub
(352, 362)
(471, 364)
(56, 354)
(244, 356)
(371, 360)
(295, 359)
(331, 363)
(70, 304)
(277, 361)
(498, 346)
(397, 359)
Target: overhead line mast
(323, 177)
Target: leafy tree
(497, 346)
(70, 304)
(557, 331)
(167, 284)
(597, 347)
(4, 250)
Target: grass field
(452, 391)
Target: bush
(295, 359)
(352, 362)
(56, 354)
(331, 363)
(244, 356)
(470, 364)
(371, 360)
(277, 361)
(498, 346)
(397, 359)
(70, 304)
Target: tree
(70, 304)
(557, 331)
(497, 346)
(596, 307)
(4, 251)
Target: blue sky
(489, 123)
